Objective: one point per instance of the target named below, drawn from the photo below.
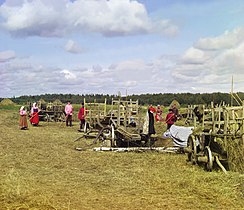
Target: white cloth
(179, 135)
(146, 124)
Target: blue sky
(133, 46)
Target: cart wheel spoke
(208, 153)
(192, 155)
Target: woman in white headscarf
(34, 119)
(23, 125)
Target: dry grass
(40, 170)
(235, 150)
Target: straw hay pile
(42, 101)
(235, 150)
(6, 102)
(57, 102)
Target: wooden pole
(243, 124)
(231, 95)
(105, 107)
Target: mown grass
(40, 169)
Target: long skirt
(151, 129)
(23, 122)
(34, 119)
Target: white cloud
(225, 41)
(60, 17)
(132, 70)
(130, 83)
(72, 47)
(7, 55)
(68, 74)
(164, 27)
(196, 56)
(209, 71)
(232, 58)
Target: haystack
(57, 102)
(41, 101)
(176, 103)
(6, 102)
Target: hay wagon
(121, 126)
(218, 137)
(50, 111)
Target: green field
(41, 170)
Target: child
(159, 113)
(23, 119)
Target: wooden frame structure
(215, 128)
(50, 111)
(121, 124)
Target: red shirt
(82, 113)
(170, 118)
(152, 109)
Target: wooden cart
(121, 125)
(50, 112)
(217, 129)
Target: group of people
(170, 119)
(34, 116)
(69, 113)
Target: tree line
(165, 99)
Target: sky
(126, 46)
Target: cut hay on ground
(41, 170)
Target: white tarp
(179, 135)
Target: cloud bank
(198, 69)
(212, 62)
(58, 18)
(206, 66)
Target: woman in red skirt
(34, 119)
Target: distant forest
(165, 99)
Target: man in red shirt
(170, 118)
(81, 116)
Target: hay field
(40, 170)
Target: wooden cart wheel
(192, 155)
(106, 133)
(208, 153)
(103, 135)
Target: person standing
(175, 111)
(170, 118)
(23, 125)
(68, 112)
(81, 116)
(159, 113)
(34, 119)
(151, 111)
